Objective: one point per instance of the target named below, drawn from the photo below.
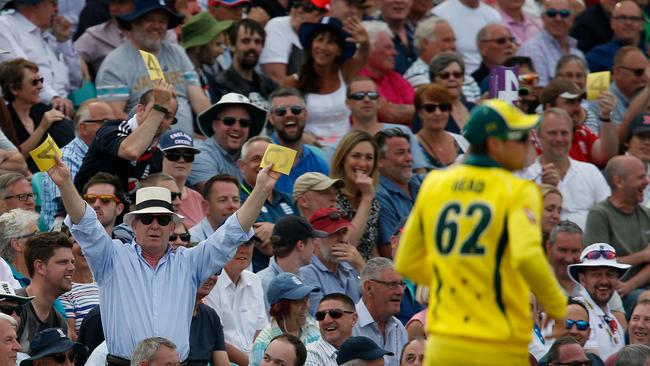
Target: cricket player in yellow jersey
(474, 238)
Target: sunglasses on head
(446, 75)
(334, 313)
(580, 324)
(296, 110)
(184, 237)
(372, 95)
(175, 156)
(432, 107)
(8, 309)
(563, 13)
(104, 198)
(60, 357)
(595, 254)
(501, 40)
(163, 220)
(35, 82)
(229, 121)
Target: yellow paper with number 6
(43, 155)
(597, 82)
(281, 157)
(153, 66)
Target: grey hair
(147, 348)
(374, 27)
(564, 226)
(632, 355)
(12, 225)
(12, 321)
(374, 266)
(154, 180)
(426, 29)
(484, 32)
(442, 60)
(247, 144)
(567, 59)
(8, 179)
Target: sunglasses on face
(529, 79)
(334, 216)
(229, 121)
(8, 309)
(100, 121)
(501, 40)
(446, 75)
(595, 254)
(184, 237)
(563, 13)
(35, 82)
(372, 95)
(176, 195)
(103, 198)
(637, 72)
(163, 220)
(625, 18)
(334, 313)
(175, 156)
(296, 110)
(60, 357)
(580, 324)
(23, 196)
(432, 107)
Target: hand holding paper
(597, 82)
(44, 154)
(281, 157)
(152, 64)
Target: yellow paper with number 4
(151, 62)
(43, 155)
(281, 157)
(597, 82)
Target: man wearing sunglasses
(598, 275)
(566, 351)
(336, 317)
(52, 347)
(495, 44)
(10, 303)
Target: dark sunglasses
(432, 107)
(295, 110)
(574, 363)
(176, 195)
(580, 324)
(35, 82)
(23, 196)
(637, 72)
(360, 95)
(175, 156)
(104, 198)
(446, 75)
(229, 121)
(184, 237)
(332, 216)
(334, 313)
(163, 220)
(595, 254)
(8, 309)
(60, 357)
(563, 13)
(501, 40)
(100, 121)
(625, 18)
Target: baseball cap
(640, 124)
(360, 348)
(51, 341)
(329, 220)
(314, 181)
(290, 229)
(7, 293)
(560, 87)
(227, 3)
(287, 286)
(597, 255)
(177, 140)
(500, 119)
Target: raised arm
(74, 205)
(248, 212)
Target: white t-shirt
(457, 15)
(279, 38)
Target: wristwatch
(605, 119)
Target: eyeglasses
(391, 285)
(563, 13)
(432, 107)
(100, 121)
(636, 72)
(574, 363)
(625, 18)
(580, 324)
(184, 237)
(334, 313)
(446, 75)
(296, 110)
(606, 254)
(23, 196)
(175, 156)
(8, 309)
(27, 236)
(60, 357)
(334, 216)
(163, 220)
(229, 121)
(501, 40)
(35, 82)
(372, 95)
(176, 195)
(103, 198)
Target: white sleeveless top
(329, 117)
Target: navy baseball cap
(360, 348)
(143, 7)
(49, 342)
(177, 139)
(292, 228)
(287, 286)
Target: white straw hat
(153, 200)
(601, 261)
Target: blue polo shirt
(309, 161)
(395, 204)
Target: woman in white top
(331, 60)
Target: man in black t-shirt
(128, 148)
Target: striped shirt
(79, 301)
(321, 353)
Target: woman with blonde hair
(551, 208)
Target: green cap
(498, 118)
(201, 29)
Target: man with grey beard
(123, 76)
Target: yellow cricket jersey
(472, 228)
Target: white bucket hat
(257, 114)
(600, 261)
(153, 200)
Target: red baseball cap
(329, 220)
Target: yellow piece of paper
(43, 155)
(151, 62)
(597, 82)
(281, 157)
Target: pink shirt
(192, 207)
(522, 31)
(393, 87)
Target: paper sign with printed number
(597, 82)
(504, 83)
(281, 157)
(43, 155)
(151, 62)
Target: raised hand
(365, 184)
(357, 32)
(59, 173)
(267, 178)
(61, 28)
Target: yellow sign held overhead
(43, 155)
(151, 62)
(597, 82)
(281, 157)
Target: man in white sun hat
(148, 289)
(598, 274)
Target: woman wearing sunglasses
(31, 121)
(433, 105)
(448, 69)
(180, 237)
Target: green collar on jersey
(481, 161)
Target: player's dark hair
(519, 61)
(639, 302)
(299, 347)
(553, 354)
(478, 148)
(383, 135)
(207, 189)
(575, 301)
(42, 246)
(250, 26)
(338, 296)
(106, 178)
